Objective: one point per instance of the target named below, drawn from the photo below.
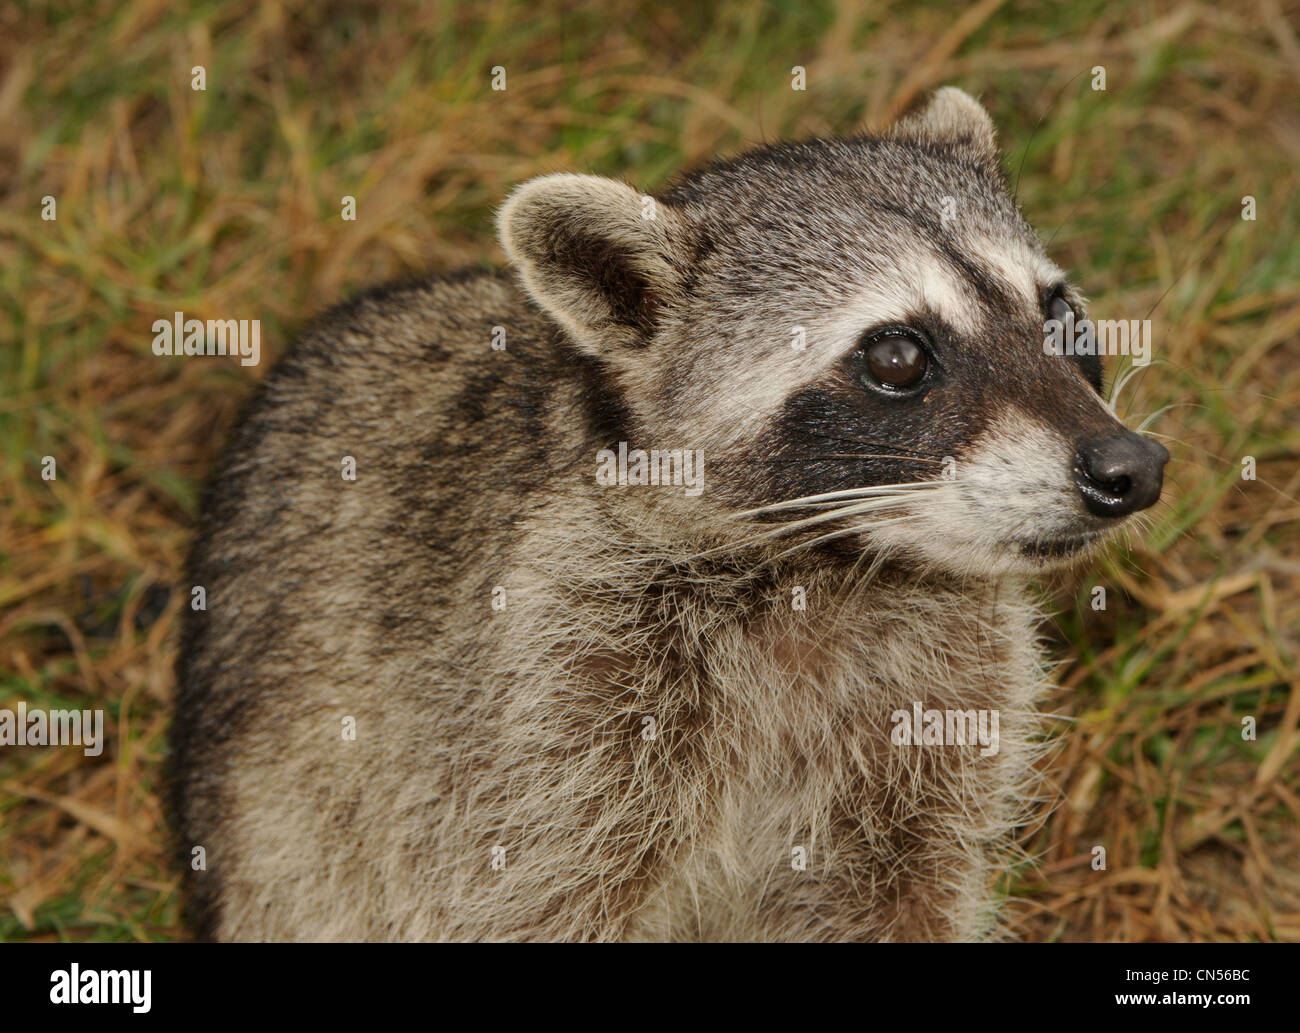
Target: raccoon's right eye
(895, 361)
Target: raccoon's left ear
(953, 118)
(599, 257)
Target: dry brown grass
(226, 203)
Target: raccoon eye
(895, 361)
(1058, 308)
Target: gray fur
(525, 728)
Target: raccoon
(476, 661)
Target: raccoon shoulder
(421, 325)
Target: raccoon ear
(953, 118)
(595, 254)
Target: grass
(227, 201)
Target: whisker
(857, 528)
(1159, 412)
(1155, 415)
(1015, 193)
(850, 455)
(828, 505)
(874, 455)
(835, 514)
(838, 513)
(1120, 381)
(869, 491)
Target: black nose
(1119, 475)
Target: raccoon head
(853, 333)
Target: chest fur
(857, 741)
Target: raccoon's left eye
(1058, 308)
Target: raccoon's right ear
(951, 118)
(601, 258)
